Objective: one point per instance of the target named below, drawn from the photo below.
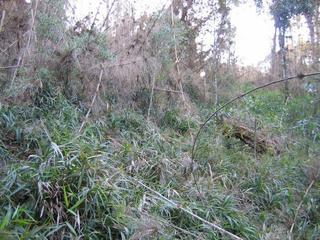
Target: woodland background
(98, 121)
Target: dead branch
(298, 208)
(153, 25)
(151, 96)
(2, 19)
(166, 90)
(256, 140)
(106, 64)
(4, 51)
(178, 206)
(16, 70)
(106, 19)
(92, 102)
(8, 67)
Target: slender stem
(151, 97)
(166, 90)
(298, 208)
(92, 102)
(2, 19)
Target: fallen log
(257, 140)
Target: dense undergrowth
(59, 183)
(97, 125)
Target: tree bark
(273, 51)
(282, 34)
(311, 27)
(257, 140)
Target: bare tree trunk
(316, 105)
(205, 87)
(317, 34)
(312, 38)
(273, 51)
(177, 67)
(216, 58)
(151, 96)
(215, 82)
(282, 32)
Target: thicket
(97, 124)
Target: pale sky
(254, 31)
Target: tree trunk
(312, 38)
(317, 34)
(257, 140)
(215, 81)
(273, 51)
(282, 33)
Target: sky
(254, 32)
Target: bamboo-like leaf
(6, 220)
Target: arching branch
(214, 114)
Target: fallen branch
(298, 208)
(2, 19)
(8, 67)
(256, 140)
(214, 114)
(178, 206)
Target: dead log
(255, 139)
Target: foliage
(60, 183)
(284, 10)
(172, 119)
(85, 169)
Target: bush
(172, 120)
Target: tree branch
(214, 114)
(298, 208)
(178, 206)
(92, 102)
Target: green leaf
(65, 197)
(6, 220)
(71, 229)
(77, 203)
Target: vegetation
(97, 125)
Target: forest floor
(123, 177)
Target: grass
(57, 184)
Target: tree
(283, 11)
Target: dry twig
(151, 96)
(298, 208)
(2, 19)
(166, 90)
(178, 206)
(92, 102)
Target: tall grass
(58, 184)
